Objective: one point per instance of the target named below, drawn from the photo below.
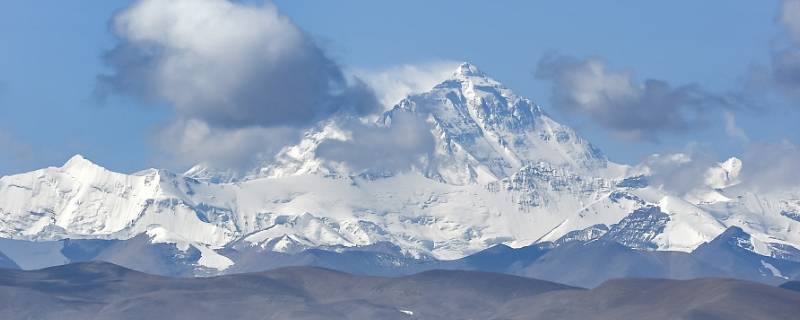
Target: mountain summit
(486, 132)
(483, 132)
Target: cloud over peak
(393, 84)
(399, 146)
(238, 75)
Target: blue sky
(51, 53)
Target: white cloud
(189, 142)
(377, 149)
(679, 173)
(237, 75)
(393, 84)
(228, 64)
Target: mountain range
(499, 186)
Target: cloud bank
(228, 64)
(240, 77)
(616, 102)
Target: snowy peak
(78, 164)
(75, 161)
(483, 132)
(466, 69)
(469, 79)
(469, 74)
(487, 132)
(474, 84)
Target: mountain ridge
(501, 172)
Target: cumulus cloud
(239, 76)
(227, 64)
(393, 84)
(404, 142)
(615, 101)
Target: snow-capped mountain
(501, 172)
(484, 132)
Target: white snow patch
(210, 258)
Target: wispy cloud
(393, 84)
(732, 129)
(681, 172)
